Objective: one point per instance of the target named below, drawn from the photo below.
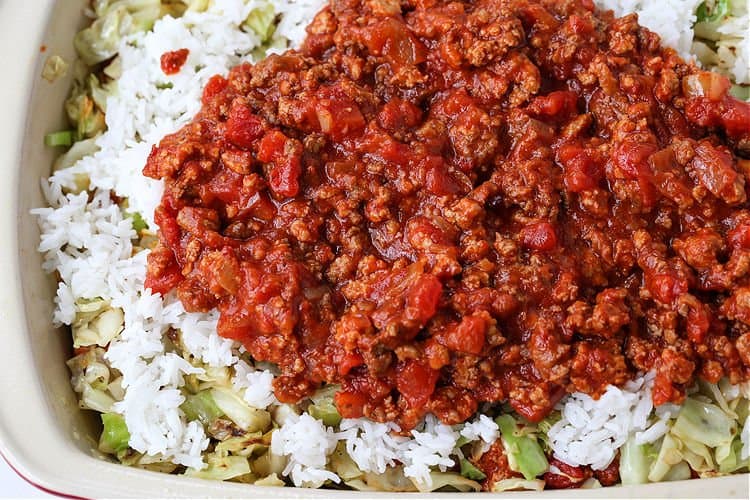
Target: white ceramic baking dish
(43, 434)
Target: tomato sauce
(172, 62)
(437, 204)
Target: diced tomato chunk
(468, 336)
(665, 287)
(216, 84)
(580, 25)
(243, 127)
(285, 157)
(423, 297)
(172, 62)
(339, 117)
(169, 230)
(580, 171)
(539, 236)
(416, 382)
(698, 323)
(350, 404)
(560, 103)
(397, 114)
(437, 179)
(739, 237)
(392, 39)
(632, 158)
(163, 272)
(348, 361)
(271, 146)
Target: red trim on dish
(38, 486)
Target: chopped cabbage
(116, 19)
(443, 480)
(393, 480)
(261, 21)
(634, 462)
(269, 480)
(323, 408)
(678, 472)
(471, 471)
(247, 418)
(704, 423)
(54, 67)
(342, 464)
(523, 450)
(252, 443)
(669, 456)
(201, 407)
(517, 483)
(97, 328)
(221, 468)
(115, 436)
(712, 11)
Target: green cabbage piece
(138, 223)
(269, 480)
(221, 468)
(97, 400)
(323, 408)
(544, 426)
(447, 481)
(201, 407)
(54, 67)
(471, 471)
(704, 423)
(86, 104)
(392, 480)
(712, 11)
(247, 418)
(516, 484)
(730, 460)
(252, 443)
(116, 19)
(634, 462)
(268, 464)
(261, 21)
(115, 436)
(342, 464)
(669, 455)
(525, 455)
(678, 472)
(97, 328)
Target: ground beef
(437, 204)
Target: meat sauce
(442, 203)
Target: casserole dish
(43, 434)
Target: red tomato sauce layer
(437, 204)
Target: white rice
(88, 241)
(254, 385)
(432, 446)
(372, 445)
(482, 429)
(590, 431)
(307, 443)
